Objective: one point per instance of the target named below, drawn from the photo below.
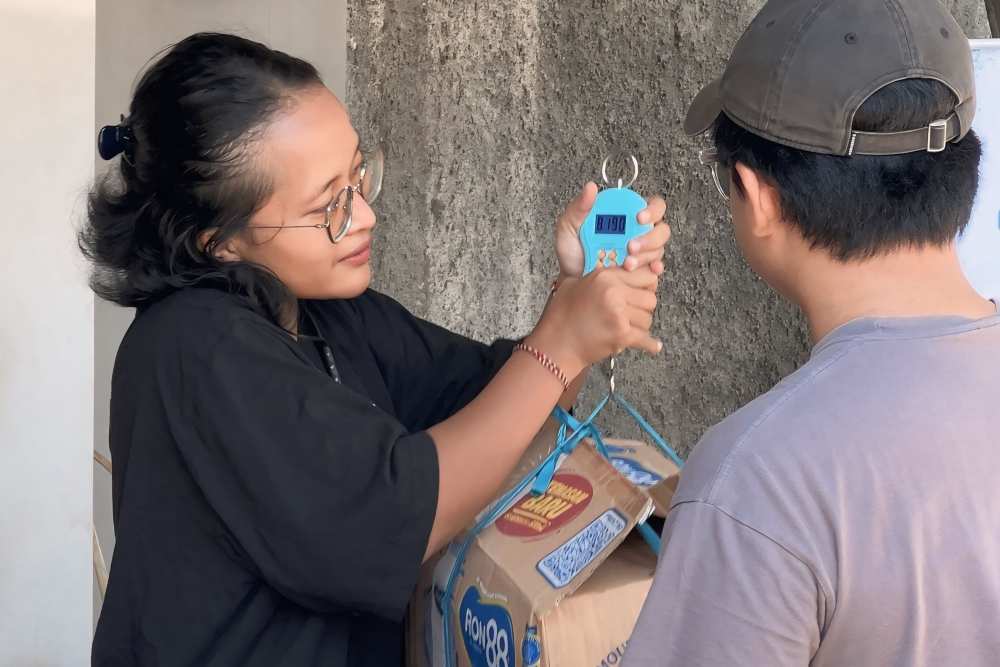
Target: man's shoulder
(860, 387)
(773, 432)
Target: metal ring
(635, 171)
(611, 378)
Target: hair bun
(115, 139)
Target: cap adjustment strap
(932, 139)
(937, 136)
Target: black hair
(190, 166)
(863, 206)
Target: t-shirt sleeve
(431, 372)
(331, 499)
(725, 594)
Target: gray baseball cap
(803, 68)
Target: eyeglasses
(721, 174)
(369, 186)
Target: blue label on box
(531, 647)
(562, 565)
(487, 631)
(634, 472)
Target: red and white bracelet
(545, 361)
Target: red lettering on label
(567, 496)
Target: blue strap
(600, 408)
(548, 469)
(567, 420)
(600, 446)
(648, 534)
(665, 448)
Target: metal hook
(635, 169)
(611, 380)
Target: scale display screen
(610, 224)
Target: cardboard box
(646, 467)
(639, 462)
(591, 628)
(418, 619)
(514, 606)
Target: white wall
(979, 245)
(129, 33)
(46, 332)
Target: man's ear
(223, 252)
(762, 200)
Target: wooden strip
(103, 460)
(100, 567)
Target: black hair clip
(115, 139)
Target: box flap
(645, 466)
(662, 494)
(591, 628)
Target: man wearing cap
(850, 517)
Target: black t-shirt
(267, 512)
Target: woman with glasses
(288, 445)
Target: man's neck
(925, 282)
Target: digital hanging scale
(612, 222)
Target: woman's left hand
(647, 250)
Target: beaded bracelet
(544, 360)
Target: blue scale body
(610, 226)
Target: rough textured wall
(494, 114)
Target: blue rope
(600, 446)
(665, 448)
(645, 530)
(648, 534)
(548, 469)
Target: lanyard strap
(331, 365)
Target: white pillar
(46, 332)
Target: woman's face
(311, 153)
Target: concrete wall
(129, 33)
(495, 113)
(46, 333)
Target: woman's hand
(591, 318)
(647, 250)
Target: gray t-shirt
(850, 517)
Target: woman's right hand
(591, 318)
